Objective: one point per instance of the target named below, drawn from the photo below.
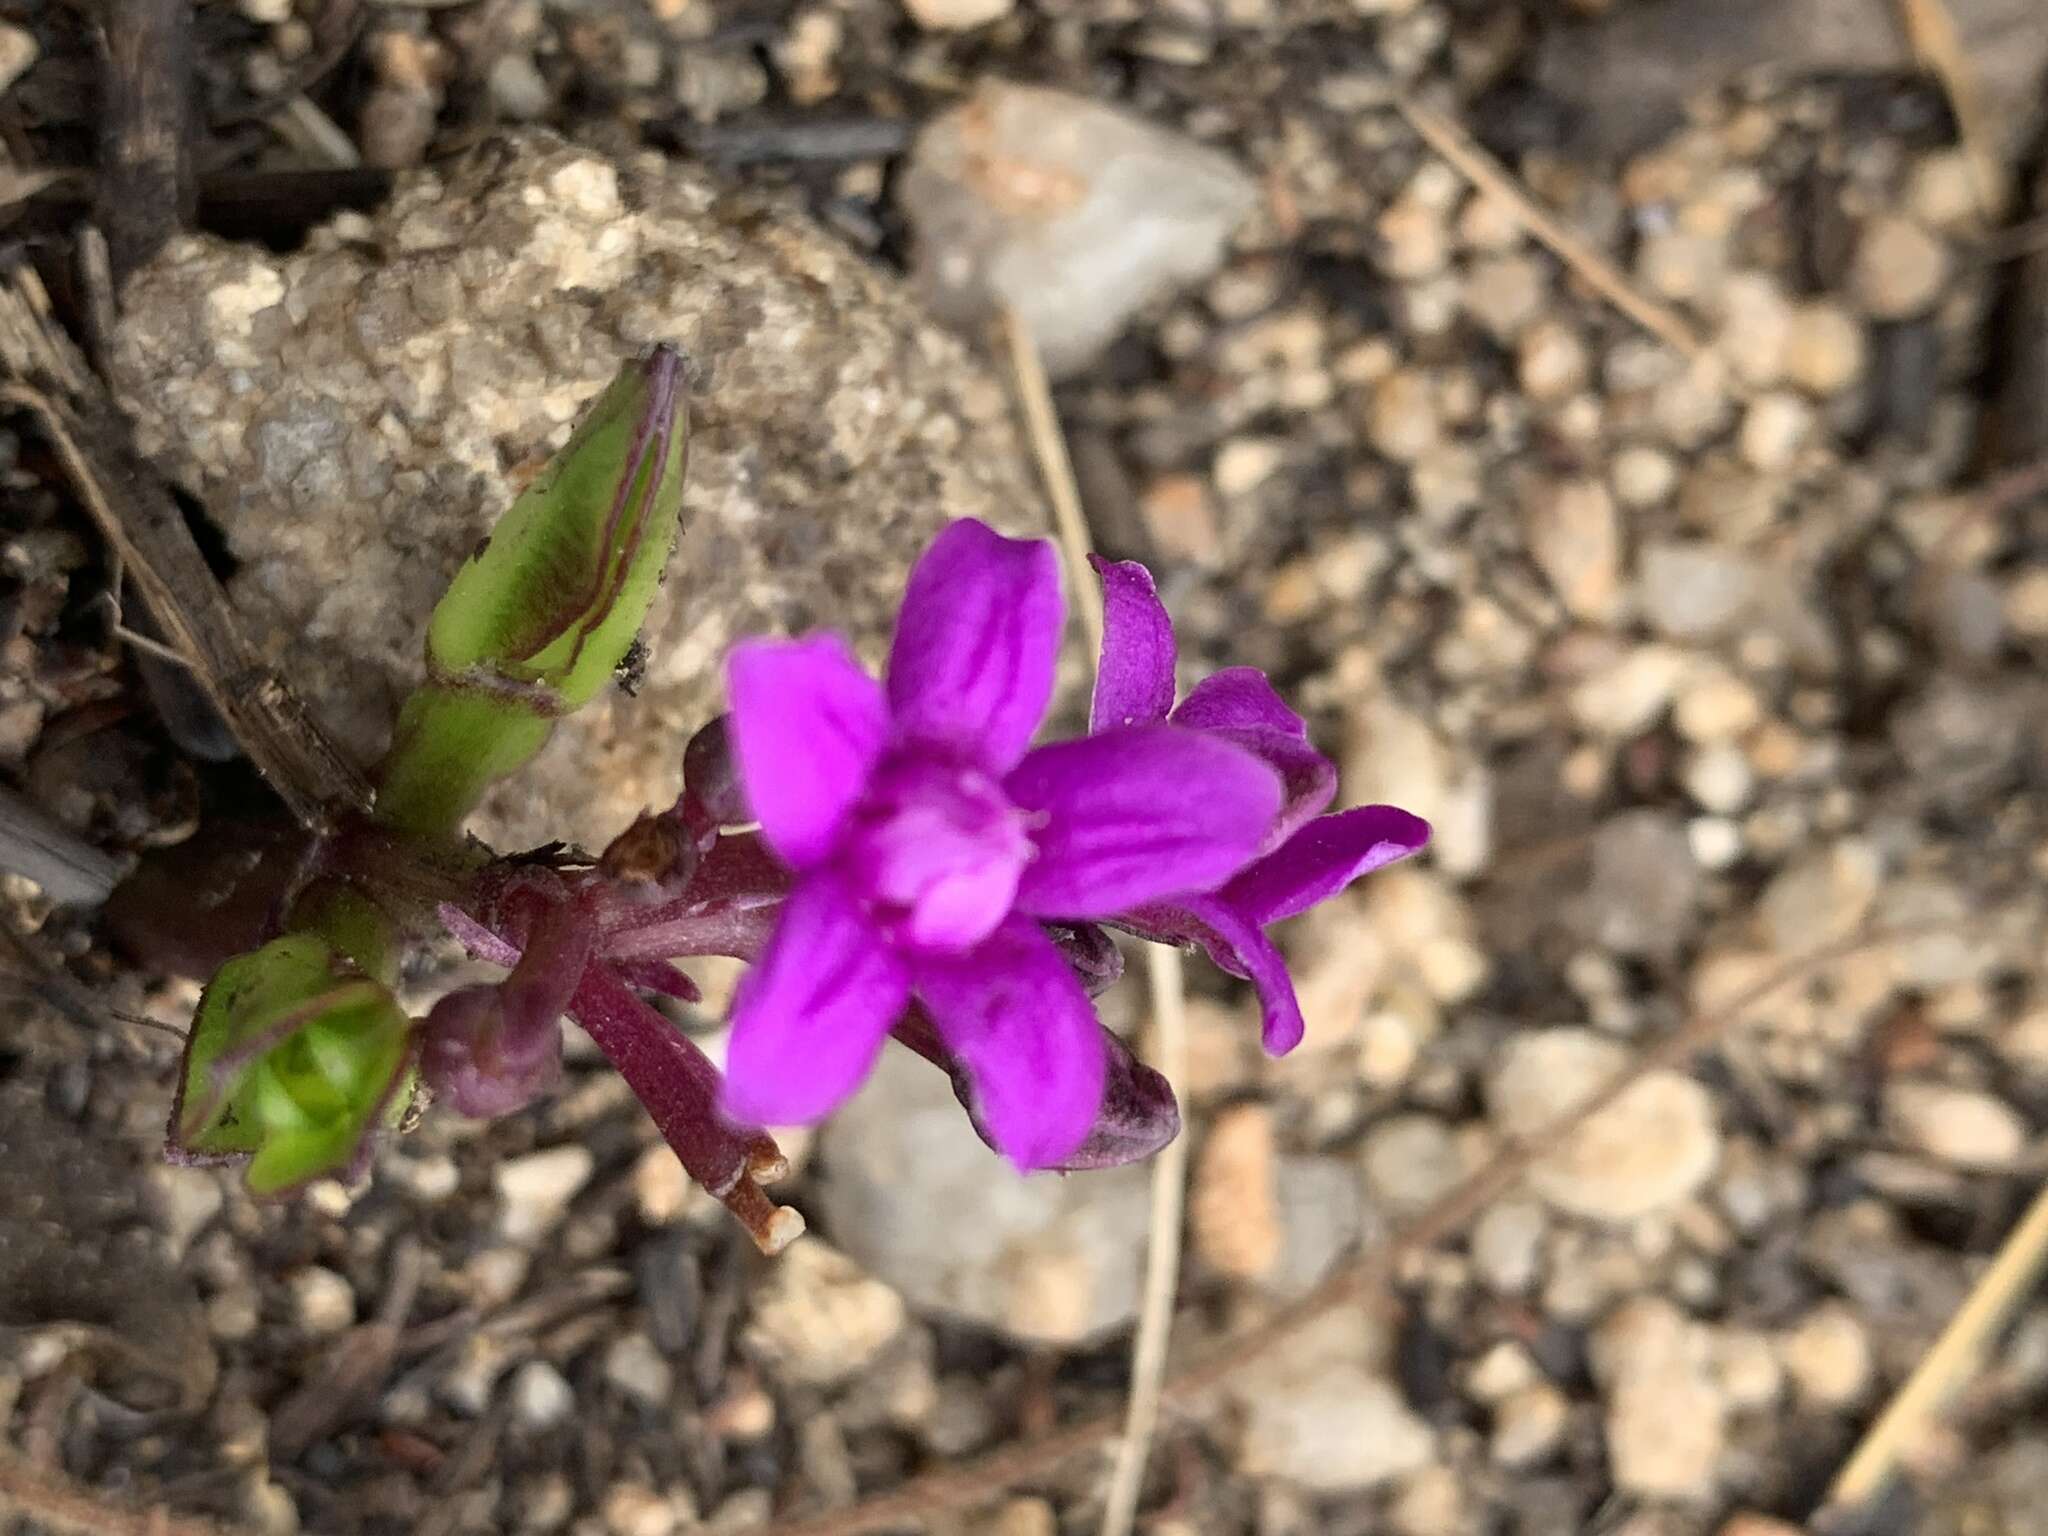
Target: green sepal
(538, 620)
(293, 1060)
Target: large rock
(357, 414)
(1072, 213)
(908, 1189)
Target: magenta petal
(976, 642)
(1138, 813)
(1238, 699)
(811, 1016)
(1134, 679)
(1237, 945)
(1015, 1018)
(808, 725)
(1324, 857)
(1241, 706)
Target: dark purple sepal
(1091, 952)
(1138, 1116)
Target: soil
(1697, 665)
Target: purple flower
(928, 843)
(1305, 857)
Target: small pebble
(182, 1201)
(534, 1190)
(1575, 539)
(639, 1371)
(1551, 362)
(1431, 1502)
(1746, 1524)
(1233, 1211)
(819, 1317)
(541, 1397)
(1716, 842)
(1826, 351)
(1624, 699)
(1410, 1161)
(1387, 1048)
(1665, 1420)
(1956, 1125)
(1415, 242)
(1180, 514)
(1747, 1368)
(322, 1301)
(232, 1314)
(1505, 294)
(1692, 589)
(632, 1509)
(1402, 422)
(1507, 1246)
(1899, 269)
(957, 15)
(396, 126)
(2026, 603)
(1718, 778)
(1827, 1356)
(1820, 899)
(1943, 191)
(1245, 463)
(1756, 328)
(1501, 1372)
(1774, 429)
(18, 54)
(662, 1192)
(1024, 1517)
(518, 89)
(1716, 707)
(1529, 1425)
(1643, 476)
(1646, 1152)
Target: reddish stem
(678, 1085)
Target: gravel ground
(1697, 664)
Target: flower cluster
(893, 859)
(931, 843)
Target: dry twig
(1049, 448)
(147, 532)
(1164, 971)
(1938, 43)
(146, 186)
(1601, 275)
(1953, 1358)
(58, 1504)
(1162, 1253)
(358, 1365)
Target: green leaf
(536, 622)
(293, 1060)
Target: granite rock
(908, 1190)
(355, 416)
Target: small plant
(892, 858)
